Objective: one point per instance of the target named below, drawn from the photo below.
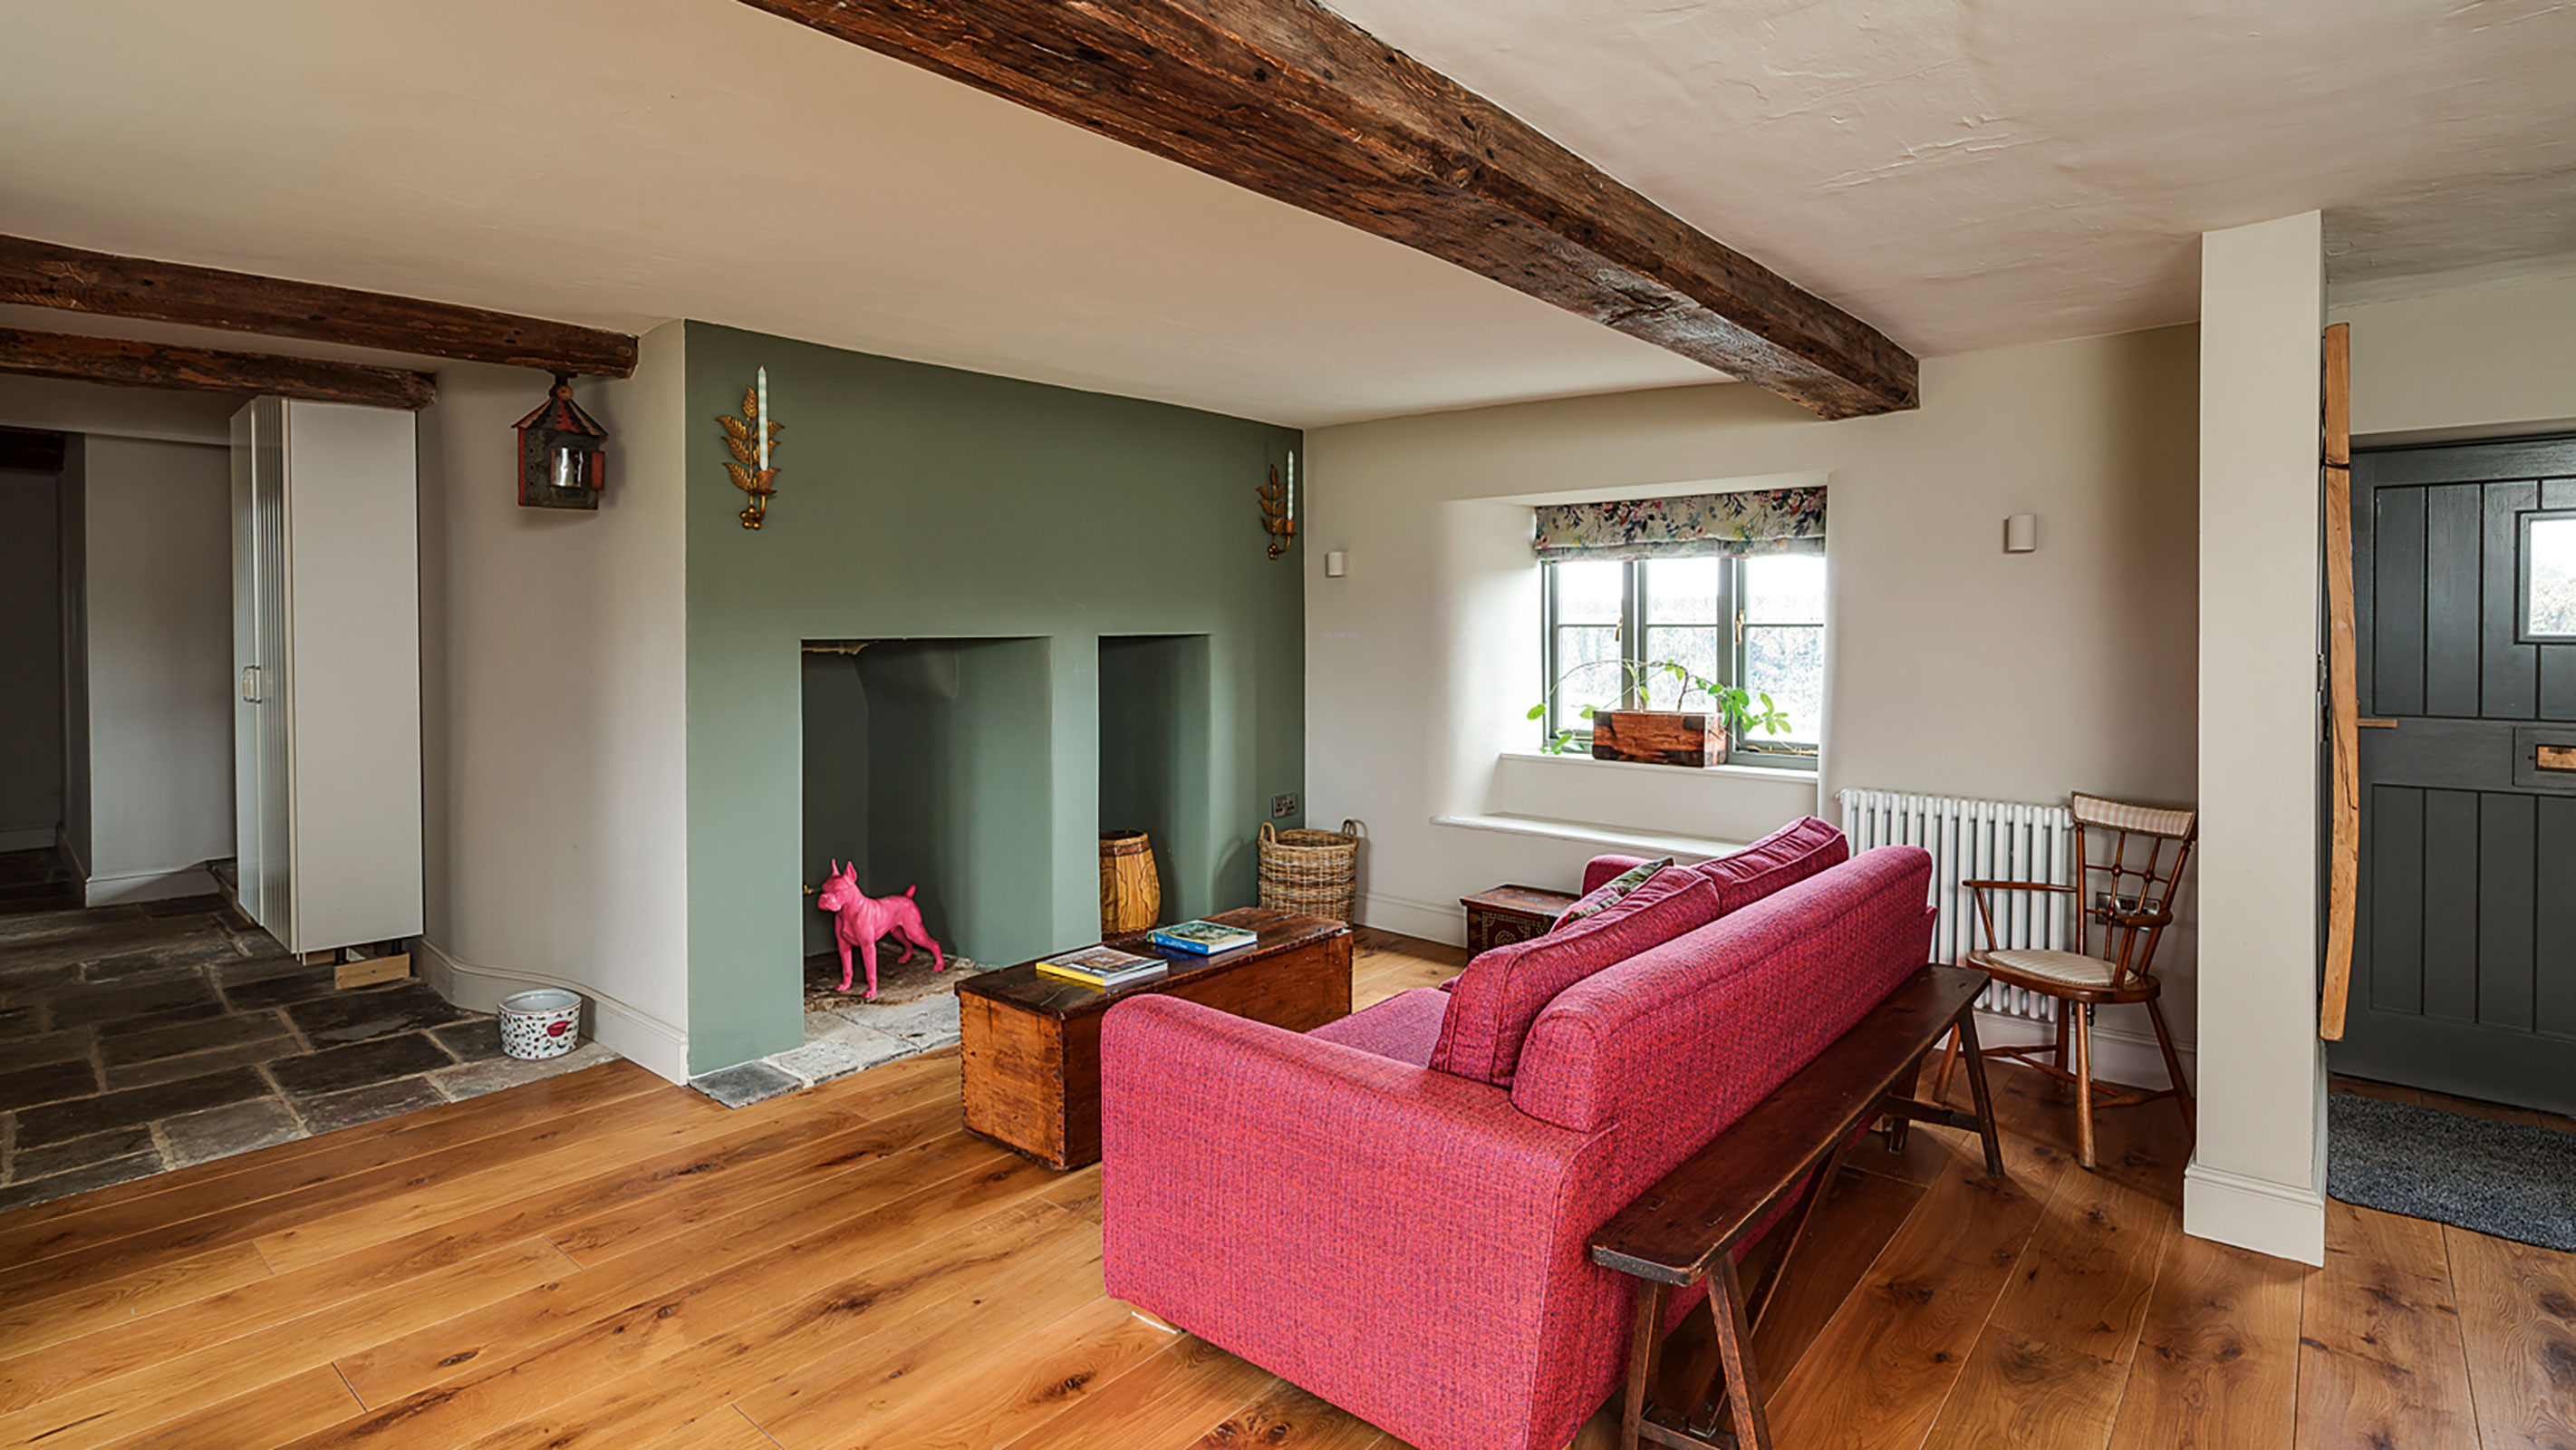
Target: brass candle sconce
(1279, 508)
(751, 438)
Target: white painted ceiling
(1963, 173)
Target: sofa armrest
(1383, 1235)
(1600, 871)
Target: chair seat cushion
(1404, 1027)
(1493, 1002)
(2068, 969)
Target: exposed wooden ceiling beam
(41, 274)
(1290, 100)
(128, 363)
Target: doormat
(2510, 1180)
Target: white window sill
(1770, 773)
(1615, 838)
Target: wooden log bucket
(1131, 893)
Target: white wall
(2258, 1167)
(554, 725)
(31, 661)
(1955, 668)
(155, 607)
(2464, 362)
(95, 408)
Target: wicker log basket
(1312, 873)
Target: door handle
(2553, 757)
(2376, 724)
(250, 684)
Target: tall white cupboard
(326, 649)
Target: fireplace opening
(1154, 737)
(927, 766)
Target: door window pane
(1784, 589)
(2550, 557)
(1588, 592)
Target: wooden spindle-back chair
(2128, 862)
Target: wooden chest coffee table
(1032, 1043)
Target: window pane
(1696, 650)
(2553, 576)
(1588, 670)
(1785, 589)
(1682, 591)
(1789, 665)
(1587, 592)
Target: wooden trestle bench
(1685, 1228)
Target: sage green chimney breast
(1009, 528)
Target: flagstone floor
(140, 1038)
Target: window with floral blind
(1729, 586)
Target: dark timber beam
(1290, 100)
(132, 364)
(41, 274)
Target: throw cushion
(1786, 857)
(1611, 890)
(1493, 1002)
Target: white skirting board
(147, 886)
(2280, 1219)
(630, 1033)
(1429, 920)
(2131, 1059)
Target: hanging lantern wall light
(563, 459)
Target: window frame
(1630, 634)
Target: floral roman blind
(1742, 525)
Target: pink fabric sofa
(1411, 1243)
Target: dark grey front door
(2464, 965)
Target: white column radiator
(1979, 840)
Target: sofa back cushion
(1492, 1003)
(1787, 856)
(1677, 1042)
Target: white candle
(762, 423)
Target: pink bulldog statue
(863, 919)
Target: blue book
(1206, 938)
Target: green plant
(1734, 702)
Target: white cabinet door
(326, 635)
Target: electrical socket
(1283, 806)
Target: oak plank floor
(601, 1260)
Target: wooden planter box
(1658, 737)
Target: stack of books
(1103, 967)
(1206, 938)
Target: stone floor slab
(359, 1064)
(80, 1117)
(356, 1016)
(746, 1083)
(474, 1079)
(74, 1153)
(330, 1112)
(222, 1132)
(80, 1180)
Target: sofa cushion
(1786, 857)
(1405, 1027)
(1609, 892)
(1493, 1003)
